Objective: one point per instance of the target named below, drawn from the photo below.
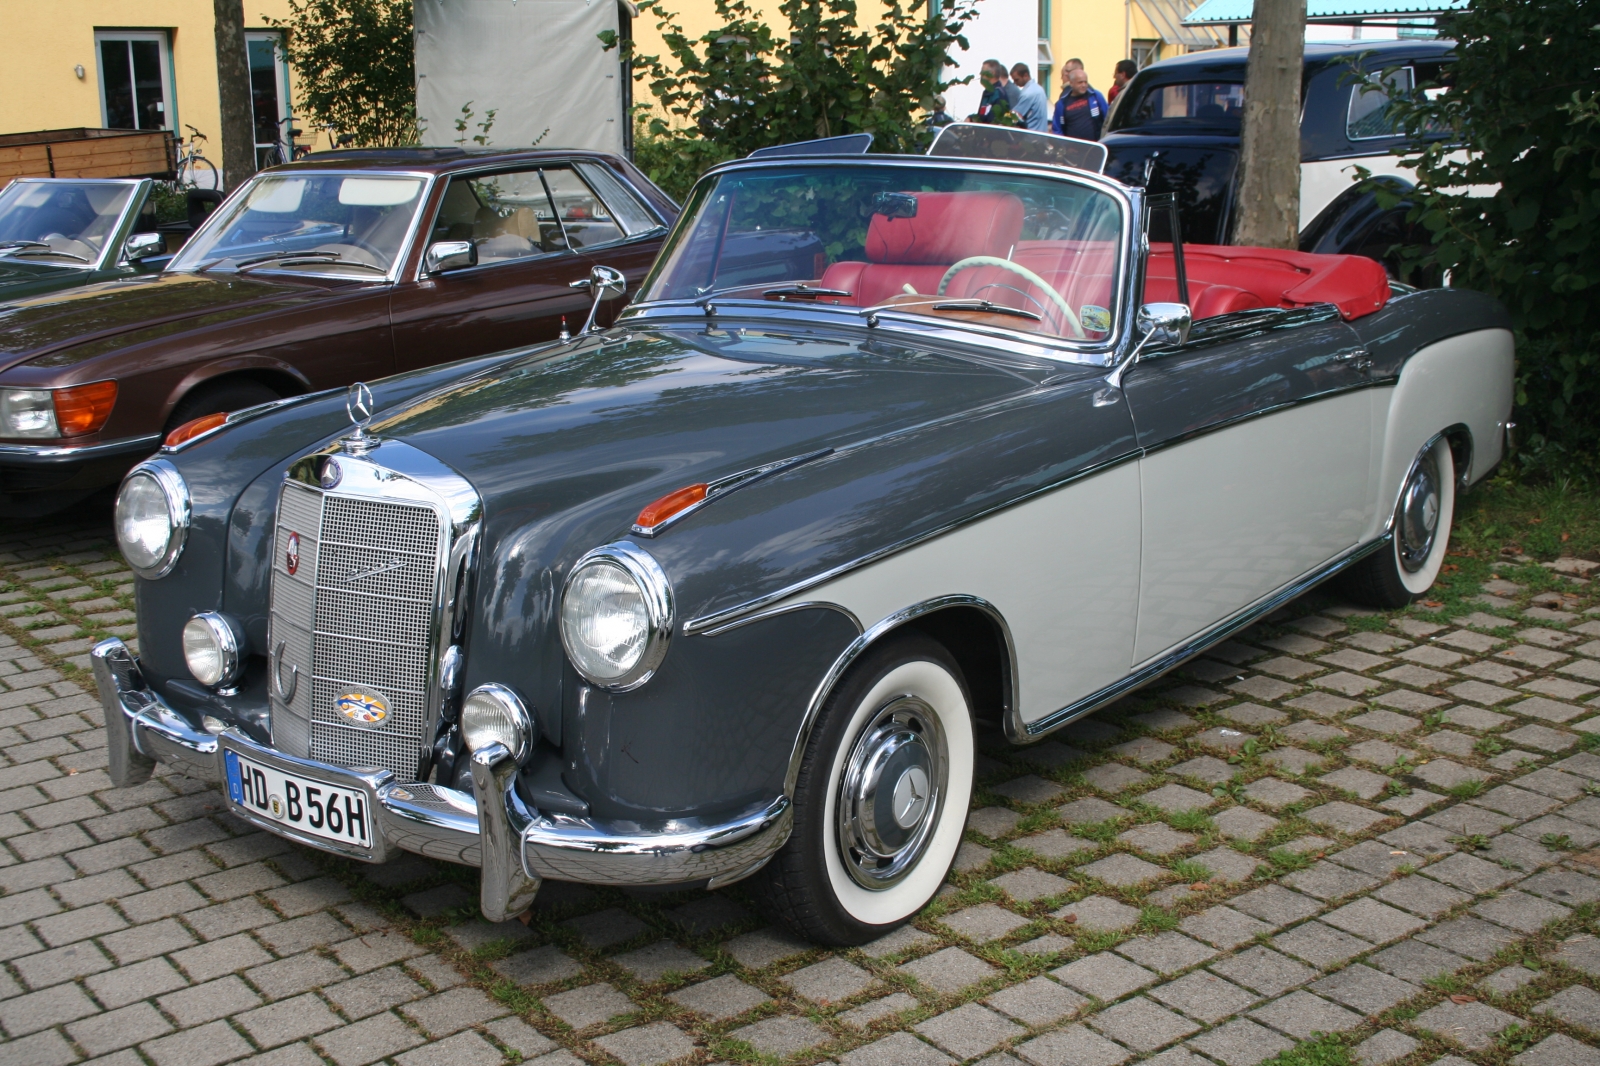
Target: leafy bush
(355, 67)
(743, 85)
(1522, 99)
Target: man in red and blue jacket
(1081, 111)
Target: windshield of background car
(60, 223)
(963, 246)
(339, 224)
(1201, 178)
(1190, 103)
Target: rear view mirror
(895, 205)
(143, 246)
(450, 255)
(1163, 323)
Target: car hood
(19, 279)
(64, 327)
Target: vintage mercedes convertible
(885, 449)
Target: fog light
(494, 714)
(211, 644)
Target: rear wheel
(881, 798)
(1408, 566)
(230, 395)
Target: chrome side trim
(721, 486)
(719, 620)
(785, 608)
(885, 625)
(1154, 668)
(48, 453)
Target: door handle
(581, 283)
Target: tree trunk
(233, 94)
(1268, 210)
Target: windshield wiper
(802, 289)
(985, 305)
(270, 256)
(21, 244)
(50, 251)
(315, 257)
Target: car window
(584, 216)
(507, 215)
(1217, 103)
(1369, 114)
(60, 222)
(626, 208)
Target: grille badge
(364, 707)
(374, 570)
(291, 555)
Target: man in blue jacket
(1081, 111)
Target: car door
(1258, 453)
(530, 255)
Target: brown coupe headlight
(616, 616)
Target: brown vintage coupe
(348, 265)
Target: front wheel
(881, 798)
(1405, 569)
(199, 173)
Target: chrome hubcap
(890, 793)
(1419, 514)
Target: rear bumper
(493, 828)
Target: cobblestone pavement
(1370, 825)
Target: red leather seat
(947, 228)
(1267, 277)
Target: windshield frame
(117, 235)
(222, 216)
(1098, 353)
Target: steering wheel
(1023, 272)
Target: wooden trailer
(87, 153)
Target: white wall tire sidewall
(931, 683)
(1420, 581)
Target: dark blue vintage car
(886, 449)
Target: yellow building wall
(41, 41)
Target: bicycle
(194, 170)
(274, 155)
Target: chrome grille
(359, 612)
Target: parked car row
(718, 584)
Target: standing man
(1081, 111)
(1126, 69)
(999, 96)
(1032, 106)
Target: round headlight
(211, 649)
(152, 518)
(616, 616)
(493, 714)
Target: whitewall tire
(1419, 536)
(881, 799)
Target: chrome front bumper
(515, 845)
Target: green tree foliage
(355, 67)
(1522, 99)
(743, 85)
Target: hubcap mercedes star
(1419, 514)
(890, 792)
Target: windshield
(1192, 103)
(340, 224)
(989, 248)
(64, 223)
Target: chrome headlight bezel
(179, 515)
(225, 635)
(516, 713)
(655, 591)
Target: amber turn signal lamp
(194, 428)
(672, 503)
(84, 408)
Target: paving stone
(1156, 838)
(720, 998)
(1385, 1045)
(1072, 1046)
(383, 947)
(1226, 865)
(1417, 676)
(1542, 738)
(1293, 760)
(1320, 945)
(1221, 740)
(1104, 976)
(1300, 1014)
(1465, 820)
(1552, 710)
(1363, 783)
(1240, 1042)
(1028, 884)
(1204, 996)
(1412, 803)
(1376, 752)
(1375, 857)
(1576, 1005)
(588, 1005)
(949, 970)
(1322, 703)
(1163, 720)
(1121, 870)
(1472, 937)
(1344, 817)
(1371, 920)
(1029, 790)
(993, 822)
(376, 991)
(983, 923)
(1242, 823)
(369, 1040)
(1142, 1025)
(765, 947)
(1508, 980)
(650, 1045)
(1326, 881)
(296, 974)
(1276, 794)
(1193, 696)
(1558, 1049)
(1261, 688)
(1166, 953)
(710, 913)
(1099, 914)
(1053, 844)
(780, 1036)
(1177, 798)
(1564, 886)
(1553, 783)
(1470, 873)
(290, 1019)
(1472, 1025)
(1421, 896)
(1113, 778)
(213, 1043)
(1286, 667)
(1212, 771)
(655, 961)
(970, 856)
(1442, 773)
(1038, 1001)
(1223, 927)
(1049, 754)
(605, 928)
(1476, 718)
(903, 1049)
(1520, 911)
(970, 1030)
(1275, 905)
(906, 938)
(1495, 673)
(867, 1013)
(1365, 989)
(829, 981)
(127, 984)
(1049, 944)
(463, 1049)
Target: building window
(269, 95)
(1144, 52)
(135, 79)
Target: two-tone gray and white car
(885, 448)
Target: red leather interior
(1082, 271)
(1266, 277)
(947, 228)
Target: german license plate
(315, 808)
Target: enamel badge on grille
(363, 707)
(291, 555)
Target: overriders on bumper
(523, 844)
